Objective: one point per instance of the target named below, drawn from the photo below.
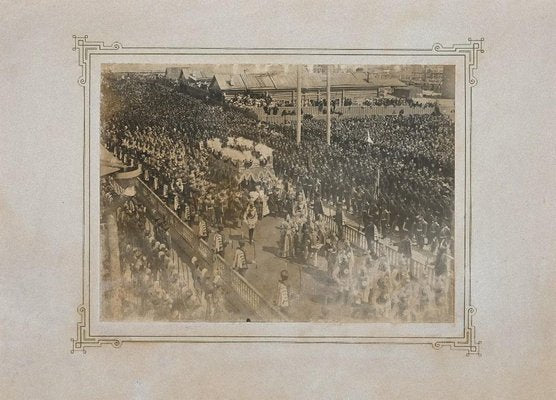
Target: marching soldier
(203, 231)
(240, 260)
(250, 217)
(155, 183)
(219, 242)
(186, 213)
(282, 297)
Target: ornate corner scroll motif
(469, 342)
(83, 48)
(471, 51)
(83, 339)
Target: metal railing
(419, 269)
(232, 279)
(250, 296)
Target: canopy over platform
(108, 162)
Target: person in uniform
(203, 231)
(186, 213)
(259, 204)
(282, 297)
(240, 260)
(318, 208)
(286, 238)
(420, 232)
(404, 248)
(330, 252)
(250, 218)
(219, 241)
(218, 210)
(339, 218)
(371, 236)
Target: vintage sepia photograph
(277, 193)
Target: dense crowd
(414, 154)
(373, 286)
(384, 291)
(391, 172)
(273, 106)
(391, 101)
(153, 285)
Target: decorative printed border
(83, 339)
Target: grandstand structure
(280, 86)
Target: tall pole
(378, 182)
(328, 105)
(298, 138)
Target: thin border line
(464, 56)
(87, 49)
(297, 336)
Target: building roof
(196, 75)
(412, 88)
(228, 82)
(280, 81)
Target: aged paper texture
(277, 200)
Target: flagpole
(378, 182)
(328, 105)
(298, 137)
(377, 191)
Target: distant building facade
(449, 82)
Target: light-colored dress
(282, 296)
(286, 245)
(264, 200)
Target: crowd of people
(373, 286)
(272, 106)
(414, 154)
(153, 285)
(391, 172)
(391, 101)
(383, 291)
